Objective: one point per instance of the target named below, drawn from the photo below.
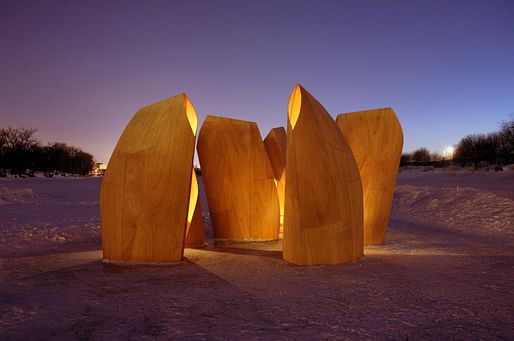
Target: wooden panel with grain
(323, 198)
(376, 140)
(238, 180)
(145, 191)
(276, 146)
(195, 235)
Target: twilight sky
(78, 70)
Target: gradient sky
(78, 70)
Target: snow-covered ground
(479, 201)
(42, 215)
(446, 271)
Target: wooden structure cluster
(376, 140)
(239, 182)
(337, 197)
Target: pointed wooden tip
(274, 132)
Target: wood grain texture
(376, 140)
(238, 180)
(323, 199)
(145, 191)
(276, 146)
(195, 235)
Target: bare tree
(421, 155)
(21, 154)
(506, 141)
(18, 138)
(16, 144)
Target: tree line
(21, 154)
(495, 148)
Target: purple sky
(78, 70)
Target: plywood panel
(276, 146)
(238, 180)
(323, 198)
(376, 140)
(195, 235)
(145, 191)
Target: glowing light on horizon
(448, 152)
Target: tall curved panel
(276, 146)
(376, 140)
(145, 191)
(195, 235)
(323, 198)
(238, 180)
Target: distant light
(448, 152)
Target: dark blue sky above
(78, 70)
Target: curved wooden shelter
(195, 235)
(145, 191)
(376, 140)
(238, 179)
(323, 197)
(276, 146)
